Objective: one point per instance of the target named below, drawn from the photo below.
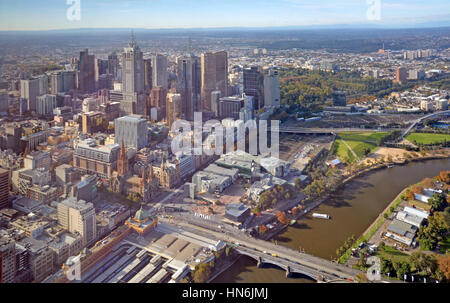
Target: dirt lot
(231, 195)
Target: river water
(352, 209)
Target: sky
(151, 14)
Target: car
(265, 252)
(274, 255)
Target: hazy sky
(52, 14)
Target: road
(284, 255)
(415, 122)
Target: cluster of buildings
(407, 222)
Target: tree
(402, 269)
(428, 182)
(429, 236)
(444, 176)
(201, 273)
(263, 229)
(437, 202)
(444, 266)
(282, 217)
(387, 268)
(423, 263)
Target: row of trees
(270, 198)
(418, 264)
(347, 245)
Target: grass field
(359, 142)
(422, 138)
(392, 254)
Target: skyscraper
(4, 188)
(214, 76)
(148, 84)
(158, 97)
(189, 85)
(133, 79)
(29, 90)
(271, 88)
(86, 72)
(43, 84)
(254, 85)
(113, 65)
(159, 70)
(173, 108)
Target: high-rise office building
(29, 90)
(133, 80)
(189, 85)
(214, 76)
(43, 84)
(159, 71)
(45, 104)
(86, 72)
(158, 97)
(62, 81)
(173, 108)
(78, 216)
(132, 131)
(113, 65)
(230, 107)
(272, 88)
(4, 188)
(148, 84)
(254, 85)
(401, 74)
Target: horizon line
(319, 26)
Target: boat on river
(321, 216)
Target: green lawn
(422, 138)
(392, 254)
(343, 152)
(359, 142)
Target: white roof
(416, 212)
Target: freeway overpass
(415, 122)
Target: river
(352, 209)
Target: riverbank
(304, 212)
(352, 208)
(373, 228)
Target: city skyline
(158, 14)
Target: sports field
(423, 138)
